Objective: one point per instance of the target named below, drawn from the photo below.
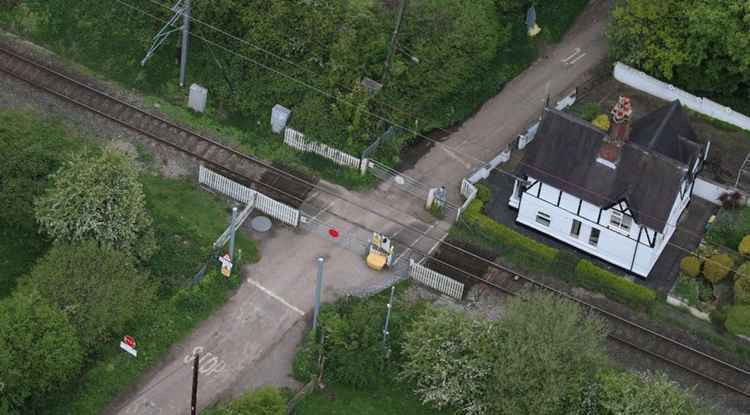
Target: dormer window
(620, 221)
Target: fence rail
(436, 280)
(469, 191)
(296, 139)
(253, 198)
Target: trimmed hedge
(718, 267)
(523, 251)
(690, 266)
(738, 320)
(744, 247)
(592, 277)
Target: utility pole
(183, 57)
(318, 284)
(392, 43)
(181, 9)
(234, 231)
(194, 395)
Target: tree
(40, 351)
(631, 393)
(549, 353)
(98, 197)
(97, 288)
(702, 46)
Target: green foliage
(264, 401)
(688, 289)
(98, 197)
(690, 266)
(717, 267)
(540, 354)
(305, 364)
(99, 289)
(744, 247)
(40, 352)
(677, 40)
(389, 399)
(730, 227)
(738, 320)
(483, 193)
(436, 210)
(588, 111)
(601, 122)
(506, 241)
(618, 288)
(618, 392)
(447, 359)
(565, 265)
(742, 284)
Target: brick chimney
(619, 131)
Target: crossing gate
(436, 280)
(297, 140)
(244, 194)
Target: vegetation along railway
(293, 190)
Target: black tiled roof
(652, 163)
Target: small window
(594, 237)
(620, 221)
(543, 218)
(575, 229)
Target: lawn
(340, 400)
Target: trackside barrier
(469, 191)
(253, 198)
(297, 140)
(436, 280)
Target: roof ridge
(575, 119)
(672, 109)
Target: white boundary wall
(297, 140)
(469, 191)
(258, 200)
(665, 91)
(436, 280)
(708, 190)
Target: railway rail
(243, 167)
(235, 164)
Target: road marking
(208, 366)
(571, 56)
(416, 241)
(324, 209)
(275, 297)
(455, 157)
(577, 59)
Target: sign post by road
(226, 265)
(128, 344)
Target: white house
(617, 195)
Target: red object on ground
(334, 233)
(129, 341)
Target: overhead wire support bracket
(166, 30)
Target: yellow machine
(380, 253)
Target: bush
(522, 251)
(718, 317)
(730, 227)
(305, 364)
(483, 193)
(742, 286)
(589, 110)
(738, 320)
(744, 247)
(565, 264)
(264, 401)
(601, 122)
(592, 277)
(717, 267)
(690, 266)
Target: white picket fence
(297, 140)
(436, 280)
(244, 194)
(469, 191)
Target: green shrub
(305, 363)
(592, 277)
(263, 401)
(688, 289)
(717, 267)
(730, 227)
(742, 287)
(565, 265)
(524, 252)
(483, 193)
(206, 294)
(738, 320)
(744, 246)
(589, 111)
(690, 266)
(718, 317)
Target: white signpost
(226, 265)
(128, 344)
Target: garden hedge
(744, 247)
(738, 320)
(690, 266)
(592, 277)
(718, 267)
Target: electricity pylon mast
(180, 9)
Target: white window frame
(620, 222)
(543, 218)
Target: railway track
(244, 168)
(235, 164)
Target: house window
(594, 237)
(620, 221)
(543, 218)
(575, 229)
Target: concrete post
(233, 231)
(318, 283)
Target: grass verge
(390, 399)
